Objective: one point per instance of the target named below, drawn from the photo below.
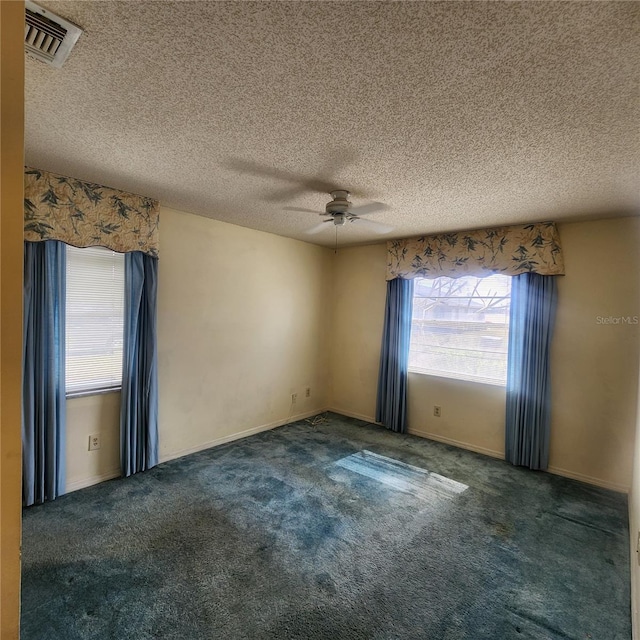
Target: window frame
(449, 375)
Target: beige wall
(11, 249)
(242, 324)
(594, 366)
(90, 416)
(236, 341)
(358, 315)
(472, 414)
(634, 519)
(634, 528)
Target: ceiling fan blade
(366, 209)
(322, 213)
(376, 227)
(318, 228)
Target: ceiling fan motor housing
(340, 203)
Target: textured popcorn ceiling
(456, 114)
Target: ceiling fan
(340, 212)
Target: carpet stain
(503, 530)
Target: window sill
(92, 392)
(460, 378)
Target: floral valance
(507, 250)
(85, 214)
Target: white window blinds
(460, 328)
(95, 319)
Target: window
(460, 328)
(95, 319)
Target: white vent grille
(48, 37)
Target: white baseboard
(237, 436)
(457, 443)
(74, 485)
(351, 414)
(83, 483)
(605, 484)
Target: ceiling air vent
(48, 37)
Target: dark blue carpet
(268, 538)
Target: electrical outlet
(437, 411)
(307, 392)
(94, 442)
(638, 547)
(294, 397)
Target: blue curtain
(391, 405)
(533, 309)
(139, 397)
(43, 383)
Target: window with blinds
(95, 319)
(460, 328)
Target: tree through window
(460, 328)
